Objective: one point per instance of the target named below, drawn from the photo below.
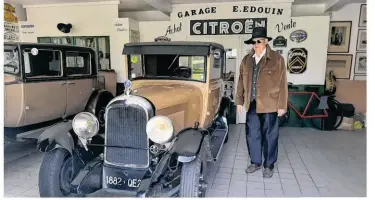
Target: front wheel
(55, 174)
(193, 176)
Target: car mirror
(34, 51)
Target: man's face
(259, 44)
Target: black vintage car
(159, 136)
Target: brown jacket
(272, 88)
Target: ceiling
(146, 5)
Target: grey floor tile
(225, 170)
(255, 185)
(238, 183)
(285, 170)
(222, 181)
(219, 187)
(255, 193)
(287, 175)
(239, 177)
(216, 193)
(223, 175)
(272, 186)
(274, 179)
(274, 193)
(254, 178)
(310, 192)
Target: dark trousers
(262, 133)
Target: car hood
(181, 103)
(164, 96)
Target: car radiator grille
(126, 127)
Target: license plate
(122, 179)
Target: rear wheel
(334, 119)
(55, 174)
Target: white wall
(350, 12)
(308, 10)
(152, 15)
(91, 19)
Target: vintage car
(45, 83)
(160, 135)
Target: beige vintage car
(159, 135)
(44, 83)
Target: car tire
(193, 175)
(100, 114)
(50, 174)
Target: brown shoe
(267, 173)
(252, 168)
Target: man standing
(263, 91)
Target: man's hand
(239, 109)
(281, 112)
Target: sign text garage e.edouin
(226, 26)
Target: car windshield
(11, 60)
(167, 67)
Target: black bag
(348, 109)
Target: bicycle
(325, 114)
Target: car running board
(217, 142)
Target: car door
(80, 79)
(44, 84)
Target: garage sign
(226, 26)
(297, 60)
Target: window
(167, 67)
(98, 43)
(11, 61)
(78, 63)
(45, 63)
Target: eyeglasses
(257, 41)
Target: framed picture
(339, 40)
(360, 63)
(363, 16)
(340, 64)
(359, 77)
(362, 40)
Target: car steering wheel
(183, 73)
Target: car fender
(57, 136)
(188, 144)
(98, 97)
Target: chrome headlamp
(159, 129)
(85, 125)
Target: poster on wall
(297, 60)
(340, 65)
(339, 36)
(360, 63)
(11, 26)
(362, 40)
(226, 26)
(363, 16)
(134, 36)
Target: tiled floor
(311, 163)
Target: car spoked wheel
(66, 176)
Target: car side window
(78, 63)
(47, 63)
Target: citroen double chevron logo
(297, 60)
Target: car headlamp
(85, 125)
(159, 129)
